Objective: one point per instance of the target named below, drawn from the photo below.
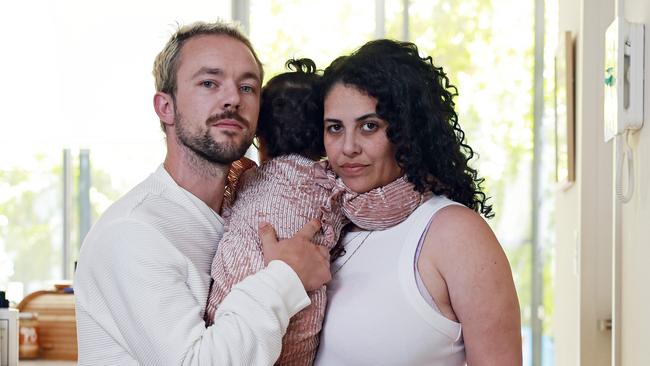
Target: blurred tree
(31, 218)
(319, 29)
(30, 203)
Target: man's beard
(205, 147)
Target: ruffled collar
(377, 209)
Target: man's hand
(311, 262)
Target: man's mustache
(229, 114)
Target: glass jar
(28, 333)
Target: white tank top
(376, 314)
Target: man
(143, 275)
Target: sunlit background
(79, 130)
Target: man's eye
(208, 84)
(246, 89)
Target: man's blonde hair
(165, 66)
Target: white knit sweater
(143, 278)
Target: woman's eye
(369, 126)
(333, 128)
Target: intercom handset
(624, 78)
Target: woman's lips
(353, 169)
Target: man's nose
(230, 98)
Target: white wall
(585, 211)
(566, 320)
(636, 225)
(583, 219)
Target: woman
(287, 190)
(435, 289)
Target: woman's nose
(351, 145)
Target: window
(77, 76)
(321, 30)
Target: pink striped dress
(287, 192)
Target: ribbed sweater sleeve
(134, 287)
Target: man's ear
(163, 104)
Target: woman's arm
(467, 273)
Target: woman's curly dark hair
(416, 99)
(291, 112)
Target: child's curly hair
(291, 112)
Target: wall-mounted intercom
(623, 77)
(624, 74)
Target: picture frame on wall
(565, 110)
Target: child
(289, 190)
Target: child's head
(291, 113)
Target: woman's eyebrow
(368, 115)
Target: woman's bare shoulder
(458, 238)
(458, 226)
(460, 247)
